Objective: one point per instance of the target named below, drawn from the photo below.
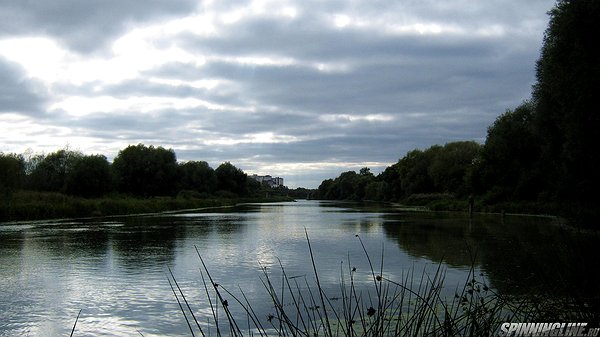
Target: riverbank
(570, 214)
(28, 205)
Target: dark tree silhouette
(508, 168)
(146, 171)
(12, 173)
(197, 176)
(231, 179)
(568, 109)
(89, 176)
(50, 173)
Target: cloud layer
(299, 89)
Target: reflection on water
(520, 255)
(116, 270)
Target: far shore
(37, 206)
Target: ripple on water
(115, 271)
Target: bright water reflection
(115, 270)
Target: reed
(414, 305)
(75, 324)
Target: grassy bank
(28, 205)
(575, 215)
(448, 202)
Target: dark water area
(115, 270)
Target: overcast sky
(299, 89)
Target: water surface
(115, 270)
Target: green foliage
(449, 166)
(32, 205)
(67, 171)
(326, 190)
(89, 176)
(50, 172)
(414, 171)
(375, 190)
(392, 184)
(146, 171)
(439, 169)
(253, 187)
(508, 165)
(12, 173)
(348, 186)
(544, 152)
(138, 171)
(52, 186)
(301, 193)
(567, 112)
(231, 179)
(197, 176)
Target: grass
(414, 305)
(576, 215)
(28, 205)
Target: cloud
(18, 94)
(268, 85)
(85, 26)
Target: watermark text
(547, 329)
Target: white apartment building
(271, 181)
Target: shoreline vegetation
(141, 179)
(32, 206)
(37, 206)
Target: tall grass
(32, 205)
(413, 305)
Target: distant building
(270, 181)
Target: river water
(116, 270)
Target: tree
(197, 176)
(449, 166)
(12, 172)
(146, 171)
(365, 177)
(51, 171)
(568, 111)
(326, 190)
(348, 185)
(374, 191)
(231, 179)
(437, 169)
(391, 182)
(508, 165)
(253, 187)
(89, 176)
(414, 171)
(32, 160)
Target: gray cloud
(17, 94)
(85, 26)
(317, 94)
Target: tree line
(544, 151)
(137, 170)
(438, 169)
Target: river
(116, 270)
